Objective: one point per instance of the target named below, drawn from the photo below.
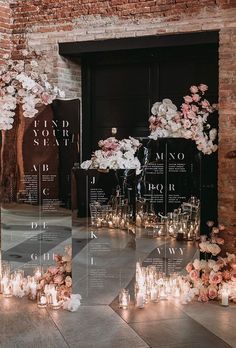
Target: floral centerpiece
(209, 277)
(23, 82)
(191, 122)
(115, 154)
(60, 274)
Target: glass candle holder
(32, 290)
(41, 299)
(124, 299)
(225, 296)
(55, 301)
(7, 287)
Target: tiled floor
(101, 267)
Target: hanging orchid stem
(24, 82)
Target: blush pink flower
(193, 89)
(194, 275)
(58, 279)
(205, 103)
(203, 87)
(53, 270)
(212, 292)
(194, 108)
(189, 267)
(152, 119)
(203, 295)
(215, 278)
(188, 99)
(46, 98)
(196, 97)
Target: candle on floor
(124, 299)
(42, 300)
(140, 299)
(55, 304)
(138, 221)
(225, 296)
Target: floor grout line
(57, 327)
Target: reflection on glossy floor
(104, 261)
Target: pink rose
(203, 87)
(194, 275)
(203, 295)
(196, 97)
(194, 89)
(189, 267)
(188, 99)
(210, 223)
(215, 278)
(212, 292)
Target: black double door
(120, 87)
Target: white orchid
(22, 84)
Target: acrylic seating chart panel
(114, 225)
(35, 211)
(103, 208)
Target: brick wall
(41, 24)
(5, 28)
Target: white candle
(43, 300)
(140, 300)
(110, 224)
(122, 223)
(225, 298)
(154, 294)
(33, 289)
(53, 292)
(138, 221)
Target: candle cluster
(109, 216)
(153, 286)
(182, 224)
(16, 284)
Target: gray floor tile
(22, 324)
(96, 326)
(177, 333)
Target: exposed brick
(42, 24)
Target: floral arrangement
(60, 274)
(23, 82)
(191, 122)
(115, 154)
(209, 277)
